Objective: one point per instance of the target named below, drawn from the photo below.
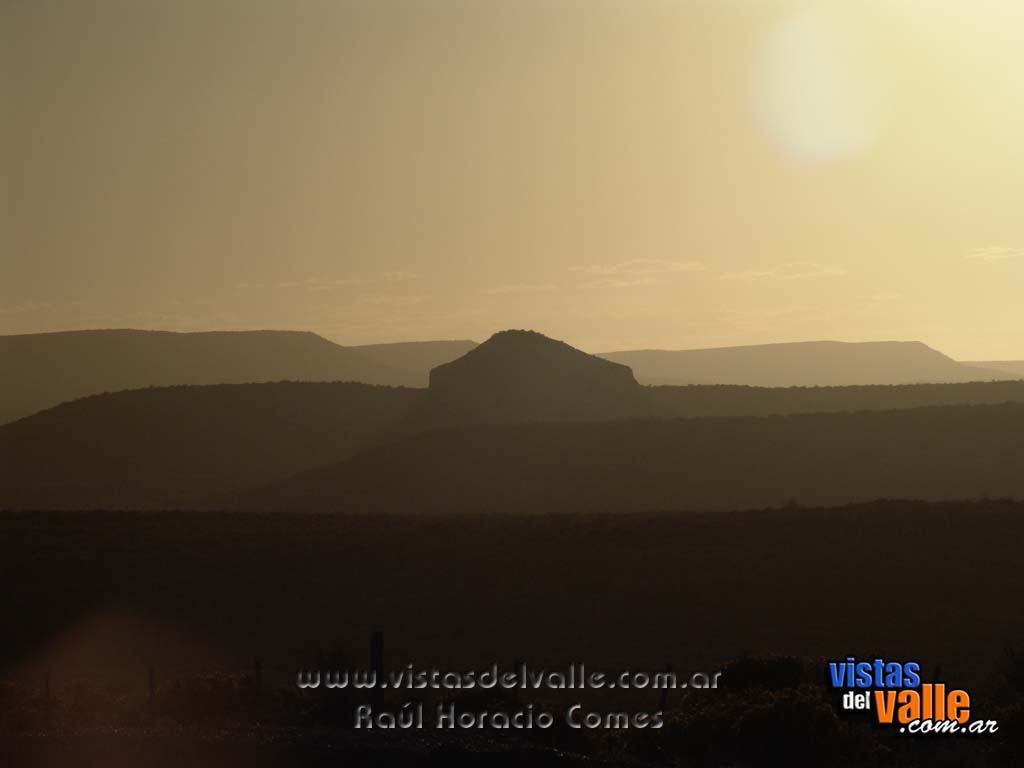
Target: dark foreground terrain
(135, 634)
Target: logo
(894, 695)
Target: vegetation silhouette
(710, 591)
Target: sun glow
(818, 92)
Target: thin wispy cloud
(502, 290)
(790, 271)
(880, 297)
(995, 253)
(320, 284)
(315, 284)
(24, 308)
(640, 267)
(614, 282)
(398, 276)
(386, 301)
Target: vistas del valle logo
(894, 694)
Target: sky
(615, 173)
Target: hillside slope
(812, 363)
(177, 446)
(180, 446)
(924, 453)
(41, 370)
(736, 400)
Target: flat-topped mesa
(525, 376)
(803, 364)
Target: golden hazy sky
(627, 173)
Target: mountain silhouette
(521, 375)
(960, 452)
(41, 370)
(174, 447)
(199, 446)
(517, 377)
(810, 363)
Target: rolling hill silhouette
(674, 464)
(41, 370)
(179, 446)
(811, 363)
(194, 446)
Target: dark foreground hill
(101, 598)
(811, 363)
(730, 400)
(174, 446)
(178, 445)
(199, 446)
(926, 453)
(43, 369)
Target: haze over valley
(46, 369)
(558, 423)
